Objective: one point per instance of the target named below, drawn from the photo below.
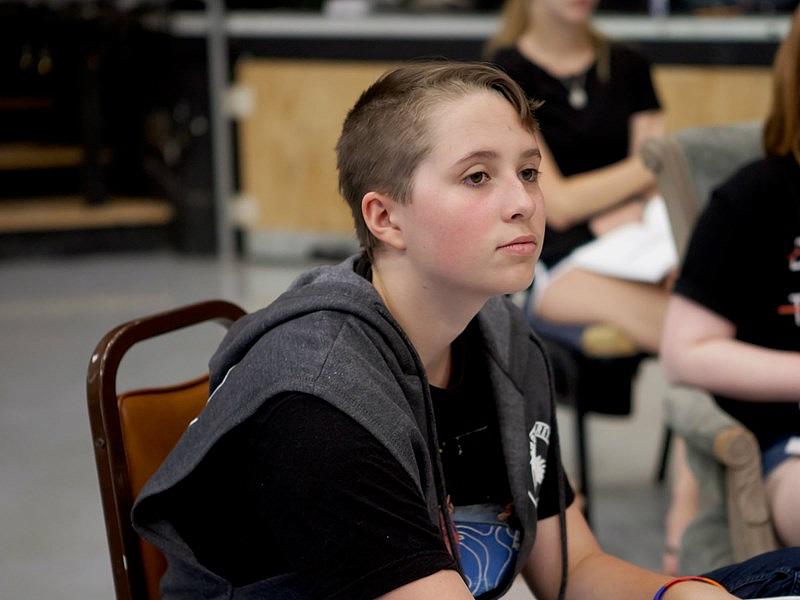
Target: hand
(630, 212)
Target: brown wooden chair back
(133, 433)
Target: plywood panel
(19, 156)
(287, 158)
(701, 96)
(72, 213)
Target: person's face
(475, 220)
(573, 12)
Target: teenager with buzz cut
(386, 428)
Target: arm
(645, 125)
(595, 575)
(699, 348)
(630, 212)
(573, 199)
(444, 585)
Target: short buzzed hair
(386, 134)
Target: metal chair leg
(583, 458)
(666, 446)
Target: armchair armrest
(748, 510)
(665, 157)
(726, 460)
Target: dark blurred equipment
(732, 7)
(623, 6)
(92, 135)
(82, 78)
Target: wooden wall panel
(701, 96)
(287, 158)
(286, 143)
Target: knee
(783, 488)
(786, 523)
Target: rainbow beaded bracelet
(663, 589)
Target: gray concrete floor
(53, 312)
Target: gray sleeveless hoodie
(331, 336)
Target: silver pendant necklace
(576, 91)
(577, 96)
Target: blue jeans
(775, 573)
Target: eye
(529, 175)
(476, 179)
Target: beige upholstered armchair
(733, 522)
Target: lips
(521, 240)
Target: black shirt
(300, 486)
(743, 263)
(584, 139)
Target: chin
(579, 14)
(517, 282)
(579, 17)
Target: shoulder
(773, 178)
(507, 57)
(300, 348)
(754, 198)
(773, 169)
(517, 66)
(356, 364)
(627, 58)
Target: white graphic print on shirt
(794, 257)
(793, 308)
(539, 438)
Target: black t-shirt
(743, 263)
(584, 139)
(302, 487)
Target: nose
(521, 201)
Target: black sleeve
(638, 79)
(718, 258)
(341, 508)
(548, 497)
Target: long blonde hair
(782, 127)
(514, 20)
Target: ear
(382, 217)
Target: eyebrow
(492, 155)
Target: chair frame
(112, 469)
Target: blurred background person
(733, 322)
(599, 106)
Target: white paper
(643, 251)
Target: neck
(430, 318)
(562, 48)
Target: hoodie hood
(336, 289)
